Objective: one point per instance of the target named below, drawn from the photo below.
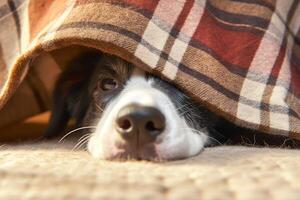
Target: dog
(132, 113)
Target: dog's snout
(140, 124)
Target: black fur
(197, 116)
(70, 96)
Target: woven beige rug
(240, 59)
(54, 171)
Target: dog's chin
(164, 149)
(122, 152)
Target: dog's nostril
(124, 124)
(150, 126)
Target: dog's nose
(140, 124)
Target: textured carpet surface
(55, 171)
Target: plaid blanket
(240, 58)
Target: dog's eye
(108, 84)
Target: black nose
(140, 124)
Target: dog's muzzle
(144, 123)
(140, 125)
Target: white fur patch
(178, 140)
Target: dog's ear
(71, 97)
(59, 114)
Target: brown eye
(108, 84)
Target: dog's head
(134, 114)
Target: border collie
(133, 114)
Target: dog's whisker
(81, 141)
(79, 145)
(187, 107)
(177, 109)
(190, 110)
(214, 139)
(82, 137)
(75, 130)
(199, 132)
(183, 107)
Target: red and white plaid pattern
(240, 58)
